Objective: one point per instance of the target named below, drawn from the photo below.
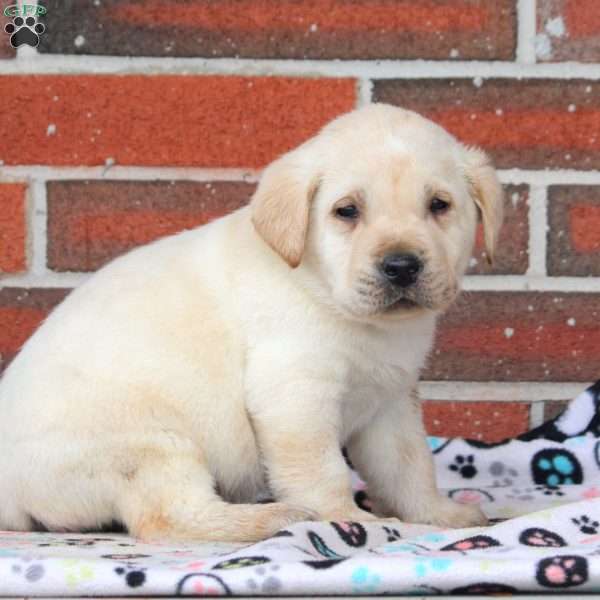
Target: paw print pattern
(562, 571)
(464, 465)
(477, 542)
(76, 541)
(24, 31)
(393, 535)
(470, 496)
(504, 474)
(33, 572)
(264, 580)
(133, 577)
(535, 536)
(586, 525)
(354, 534)
(556, 466)
(550, 490)
(202, 584)
(240, 563)
(364, 581)
(521, 494)
(321, 547)
(323, 564)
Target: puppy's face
(390, 215)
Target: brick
(554, 408)
(6, 50)
(512, 254)
(486, 421)
(573, 235)
(21, 312)
(518, 336)
(160, 120)
(568, 30)
(536, 123)
(13, 228)
(317, 29)
(91, 222)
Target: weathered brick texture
(91, 222)
(13, 234)
(486, 421)
(574, 230)
(159, 110)
(519, 336)
(568, 30)
(536, 123)
(163, 120)
(553, 409)
(359, 29)
(21, 312)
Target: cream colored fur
(190, 376)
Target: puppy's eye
(438, 206)
(350, 212)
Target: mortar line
(38, 229)
(365, 92)
(531, 177)
(48, 64)
(526, 31)
(536, 413)
(493, 391)
(538, 229)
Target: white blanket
(553, 470)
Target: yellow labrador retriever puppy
(190, 375)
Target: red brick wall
(133, 120)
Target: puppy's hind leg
(173, 497)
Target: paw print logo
(586, 525)
(464, 466)
(24, 31)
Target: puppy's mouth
(402, 304)
(375, 296)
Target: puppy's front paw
(446, 513)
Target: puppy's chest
(369, 390)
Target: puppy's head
(380, 211)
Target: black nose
(401, 270)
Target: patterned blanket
(541, 490)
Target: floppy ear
(488, 194)
(281, 205)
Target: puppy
(189, 376)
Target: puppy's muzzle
(401, 270)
